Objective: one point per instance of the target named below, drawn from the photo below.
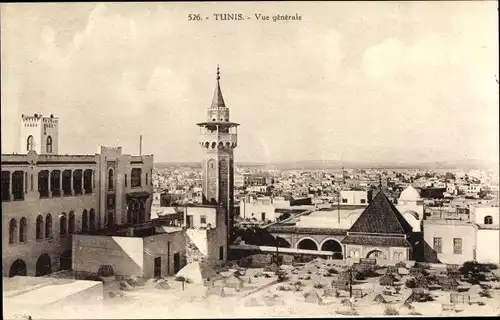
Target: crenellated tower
(218, 138)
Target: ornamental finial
(218, 73)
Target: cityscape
(180, 204)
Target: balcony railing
(219, 137)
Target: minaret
(218, 138)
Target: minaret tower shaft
(218, 138)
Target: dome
(410, 194)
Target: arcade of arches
(136, 210)
(43, 265)
(332, 245)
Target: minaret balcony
(215, 139)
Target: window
(126, 178)
(77, 182)
(71, 223)
(457, 246)
(49, 144)
(263, 216)
(23, 230)
(438, 245)
(43, 183)
(135, 177)
(87, 181)
(146, 179)
(85, 221)
(55, 186)
(92, 220)
(344, 200)
(66, 182)
(63, 225)
(363, 200)
(18, 185)
(12, 231)
(488, 220)
(110, 179)
(30, 143)
(48, 226)
(203, 219)
(5, 186)
(111, 202)
(39, 227)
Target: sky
(355, 81)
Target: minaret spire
(218, 100)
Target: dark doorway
(157, 270)
(65, 261)
(110, 219)
(177, 262)
(18, 268)
(263, 216)
(190, 221)
(43, 265)
(221, 253)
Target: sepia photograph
(169, 160)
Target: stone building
(380, 232)
(48, 197)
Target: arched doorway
(18, 268)
(65, 260)
(375, 254)
(307, 244)
(333, 246)
(43, 265)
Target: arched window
(71, 223)
(110, 179)
(85, 221)
(30, 143)
(63, 225)
(39, 227)
(48, 226)
(146, 179)
(488, 220)
(12, 231)
(49, 144)
(23, 230)
(92, 220)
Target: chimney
(140, 145)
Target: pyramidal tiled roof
(381, 217)
(218, 100)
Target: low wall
(124, 254)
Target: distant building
(239, 180)
(456, 240)
(259, 208)
(486, 219)
(411, 206)
(355, 197)
(450, 241)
